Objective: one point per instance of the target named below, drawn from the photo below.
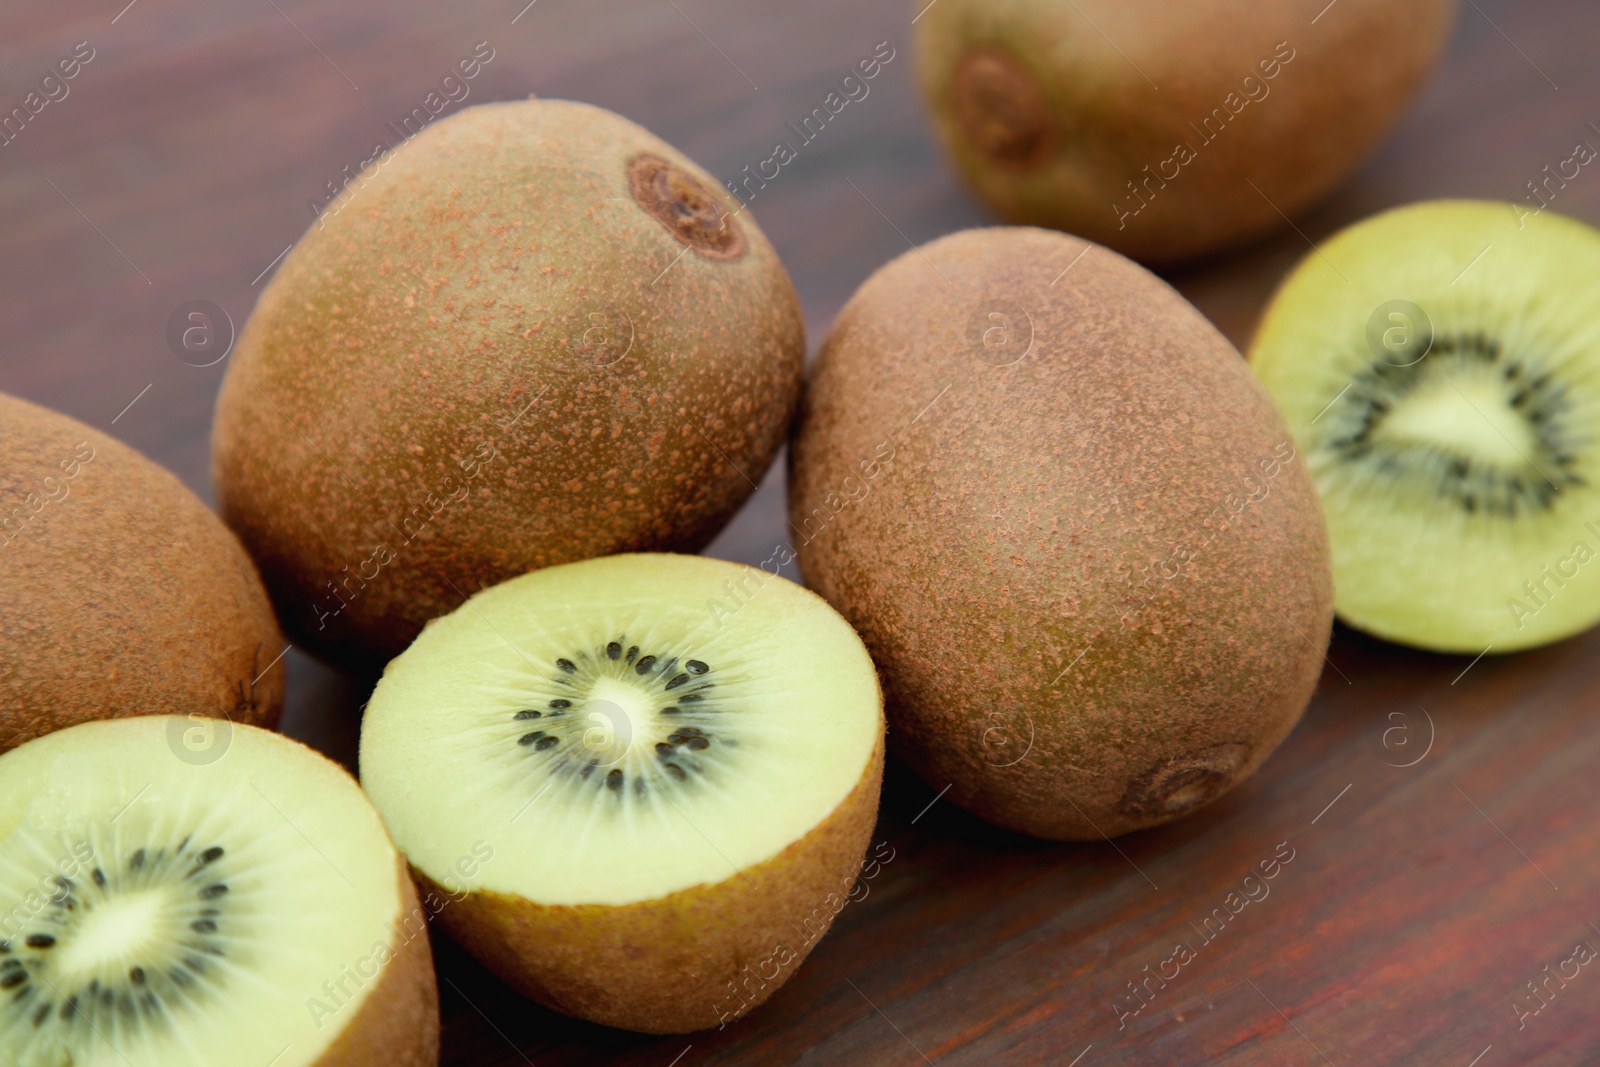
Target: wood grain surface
(1441, 813)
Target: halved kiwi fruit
(675, 759)
(1439, 365)
(156, 911)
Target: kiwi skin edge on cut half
(676, 760)
(1439, 365)
(160, 911)
(122, 593)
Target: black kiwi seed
(689, 698)
(203, 926)
(523, 716)
(633, 652)
(664, 750)
(136, 976)
(679, 680)
(669, 711)
(212, 892)
(195, 964)
(211, 855)
(558, 704)
(588, 768)
(697, 743)
(644, 665)
(14, 979)
(528, 739)
(180, 977)
(566, 665)
(136, 861)
(614, 650)
(675, 770)
(70, 1007)
(694, 666)
(614, 781)
(40, 941)
(40, 1014)
(547, 743)
(99, 877)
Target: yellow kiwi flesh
(1168, 128)
(1071, 528)
(534, 334)
(122, 593)
(675, 761)
(156, 911)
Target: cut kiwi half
(157, 911)
(1439, 365)
(676, 761)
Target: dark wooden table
(1442, 813)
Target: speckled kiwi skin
(397, 1024)
(1007, 530)
(424, 313)
(122, 594)
(692, 960)
(1351, 75)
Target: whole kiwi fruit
(123, 594)
(532, 334)
(1071, 528)
(1169, 128)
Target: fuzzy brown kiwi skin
(1001, 77)
(430, 338)
(692, 960)
(123, 593)
(1008, 531)
(397, 1024)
